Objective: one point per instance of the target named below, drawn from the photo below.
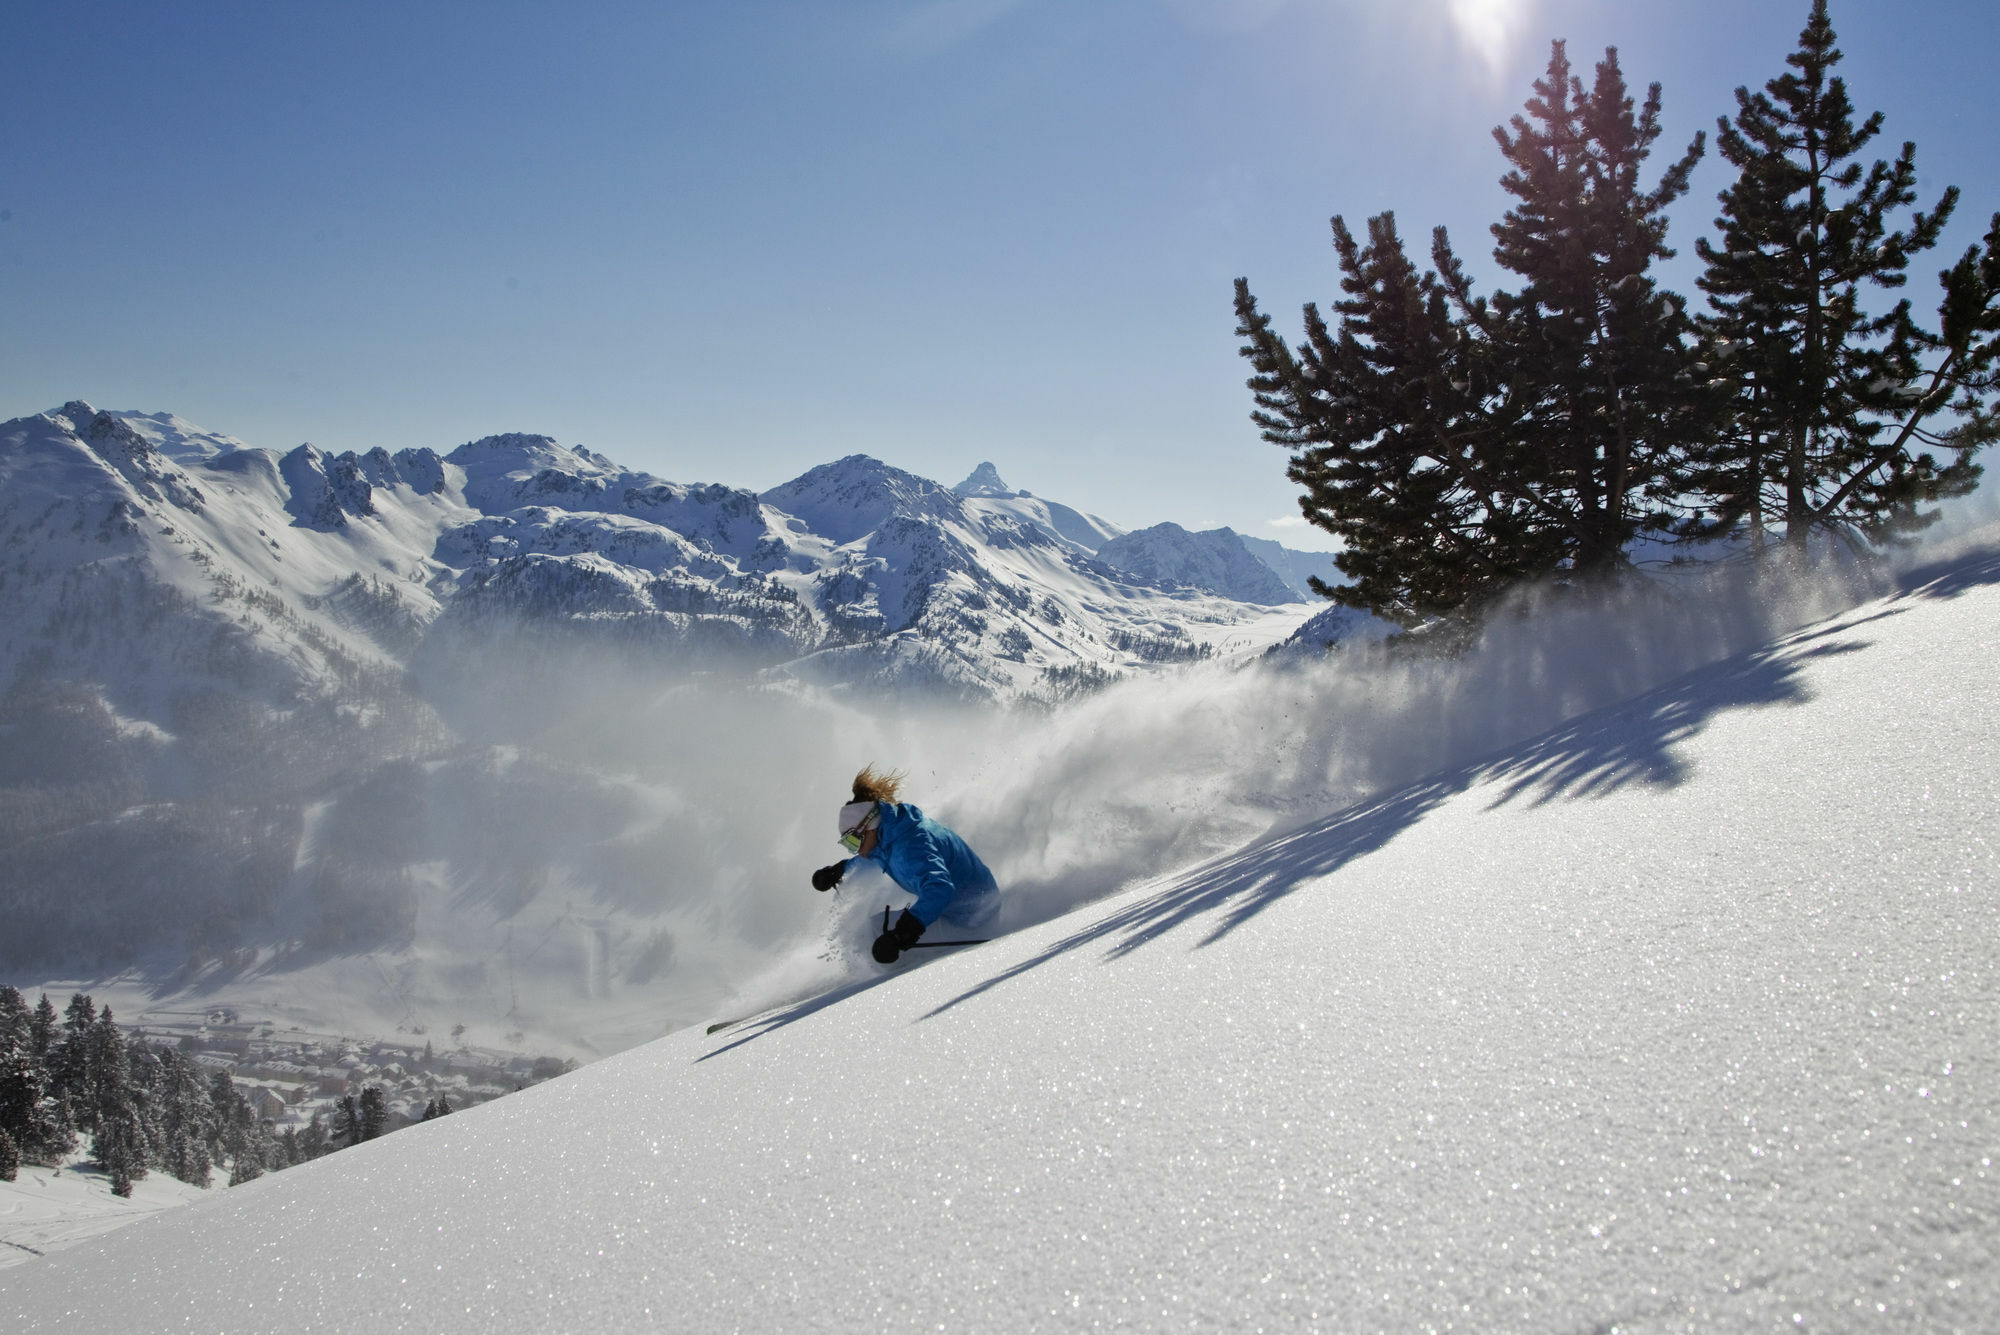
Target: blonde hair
(873, 785)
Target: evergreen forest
(77, 1079)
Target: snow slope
(1679, 1016)
(47, 1209)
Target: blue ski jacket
(935, 865)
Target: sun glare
(1488, 28)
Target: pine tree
(56, 1139)
(314, 1140)
(246, 1167)
(111, 1087)
(118, 1140)
(42, 1030)
(21, 1076)
(186, 1120)
(346, 1130)
(1834, 423)
(1602, 395)
(75, 1075)
(118, 1146)
(15, 1017)
(143, 1081)
(1456, 445)
(374, 1112)
(10, 1158)
(26, 1111)
(1386, 423)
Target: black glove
(898, 938)
(828, 877)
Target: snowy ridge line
(987, 594)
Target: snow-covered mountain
(864, 571)
(1217, 560)
(987, 494)
(1295, 567)
(1622, 998)
(490, 723)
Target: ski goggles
(856, 820)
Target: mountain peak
(984, 481)
(851, 497)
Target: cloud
(1286, 521)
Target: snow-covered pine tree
(142, 1086)
(1834, 405)
(238, 1138)
(346, 1130)
(21, 1076)
(314, 1141)
(374, 1112)
(42, 1030)
(15, 1017)
(118, 1141)
(75, 1075)
(56, 1136)
(186, 1118)
(111, 1086)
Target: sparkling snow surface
(1681, 1017)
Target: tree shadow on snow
(1949, 579)
(1630, 743)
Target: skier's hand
(828, 877)
(898, 938)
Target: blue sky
(729, 241)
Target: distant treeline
(146, 1105)
(1459, 444)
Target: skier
(920, 855)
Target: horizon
(727, 246)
